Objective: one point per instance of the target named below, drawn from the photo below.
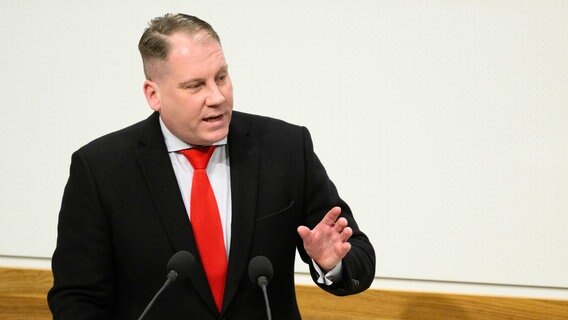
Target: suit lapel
(160, 177)
(244, 161)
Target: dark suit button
(355, 283)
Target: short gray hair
(154, 45)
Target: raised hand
(327, 242)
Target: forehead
(190, 56)
(194, 47)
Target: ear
(152, 93)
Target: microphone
(260, 273)
(179, 266)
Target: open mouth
(213, 119)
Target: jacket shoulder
(264, 125)
(126, 138)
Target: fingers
(345, 234)
(331, 221)
(342, 229)
(340, 224)
(331, 216)
(343, 250)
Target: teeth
(213, 118)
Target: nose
(215, 97)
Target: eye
(221, 77)
(194, 85)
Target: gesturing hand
(327, 242)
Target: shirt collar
(174, 143)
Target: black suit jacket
(122, 218)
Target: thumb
(304, 232)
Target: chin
(217, 137)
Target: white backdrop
(453, 115)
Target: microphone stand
(172, 276)
(263, 283)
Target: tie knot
(198, 157)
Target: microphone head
(260, 266)
(182, 262)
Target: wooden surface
(23, 294)
(383, 305)
(23, 297)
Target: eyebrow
(183, 84)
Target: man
(129, 203)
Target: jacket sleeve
(82, 262)
(358, 267)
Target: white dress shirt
(218, 171)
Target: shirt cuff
(329, 278)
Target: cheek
(228, 94)
(188, 106)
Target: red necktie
(206, 223)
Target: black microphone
(179, 266)
(260, 273)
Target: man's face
(192, 89)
